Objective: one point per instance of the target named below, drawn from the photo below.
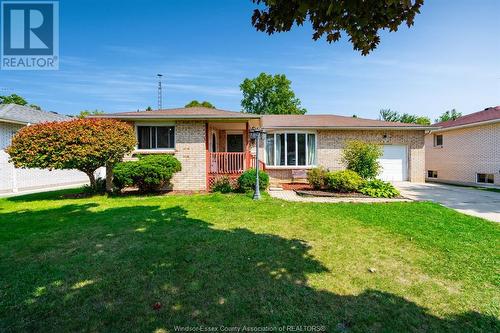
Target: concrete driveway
(485, 204)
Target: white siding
(7, 131)
(13, 179)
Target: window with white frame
(291, 149)
(156, 137)
(487, 178)
(438, 140)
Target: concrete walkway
(481, 203)
(43, 189)
(292, 196)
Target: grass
(150, 263)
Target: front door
(235, 143)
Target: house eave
(386, 128)
(160, 117)
(479, 123)
(11, 121)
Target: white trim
(486, 174)
(3, 120)
(385, 128)
(276, 157)
(237, 118)
(434, 140)
(289, 167)
(154, 123)
(154, 151)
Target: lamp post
(255, 134)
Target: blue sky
(112, 50)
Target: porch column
(247, 147)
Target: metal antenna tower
(159, 92)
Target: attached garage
(394, 163)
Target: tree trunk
(91, 176)
(109, 178)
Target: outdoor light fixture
(255, 134)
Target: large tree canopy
(361, 20)
(195, 103)
(268, 94)
(16, 99)
(86, 113)
(449, 115)
(82, 144)
(389, 115)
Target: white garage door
(394, 163)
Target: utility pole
(159, 92)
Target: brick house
(465, 150)
(211, 142)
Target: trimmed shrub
(362, 157)
(149, 173)
(379, 189)
(82, 144)
(100, 187)
(344, 181)
(222, 185)
(316, 177)
(246, 181)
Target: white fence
(14, 180)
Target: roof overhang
(11, 121)
(379, 128)
(479, 123)
(167, 117)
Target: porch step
(275, 189)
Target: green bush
(316, 177)
(246, 181)
(362, 157)
(344, 181)
(100, 187)
(149, 173)
(379, 189)
(222, 185)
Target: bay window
(290, 149)
(156, 137)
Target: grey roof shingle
(180, 113)
(27, 115)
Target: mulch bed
(322, 193)
(297, 186)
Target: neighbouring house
(211, 143)
(465, 150)
(12, 118)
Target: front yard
(150, 263)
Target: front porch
(228, 150)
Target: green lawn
(101, 264)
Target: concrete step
(275, 189)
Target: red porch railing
(229, 164)
(262, 165)
(226, 163)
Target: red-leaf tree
(82, 144)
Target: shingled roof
(332, 122)
(268, 121)
(26, 115)
(488, 114)
(180, 113)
